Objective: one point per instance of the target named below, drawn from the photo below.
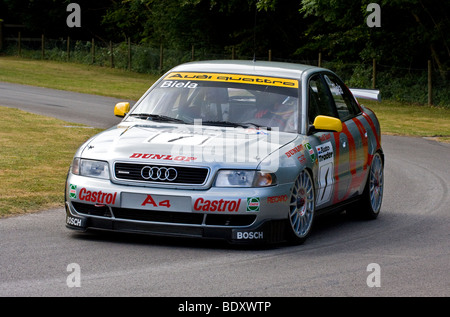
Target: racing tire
(301, 208)
(369, 206)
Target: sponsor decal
(252, 204)
(151, 201)
(325, 137)
(296, 149)
(217, 205)
(324, 152)
(77, 222)
(302, 159)
(325, 157)
(234, 78)
(249, 235)
(277, 199)
(179, 158)
(178, 84)
(310, 151)
(97, 197)
(73, 191)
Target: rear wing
(371, 94)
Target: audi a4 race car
(238, 150)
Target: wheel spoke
(296, 222)
(301, 228)
(376, 183)
(302, 205)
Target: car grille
(183, 175)
(158, 216)
(92, 210)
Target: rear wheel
(301, 208)
(370, 204)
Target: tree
(408, 26)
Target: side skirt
(337, 207)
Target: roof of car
(262, 68)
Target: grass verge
(83, 78)
(35, 154)
(398, 118)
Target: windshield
(223, 100)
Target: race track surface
(96, 111)
(409, 243)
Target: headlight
(264, 179)
(90, 168)
(244, 178)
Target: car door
(351, 157)
(323, 143)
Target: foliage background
(411, 33)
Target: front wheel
(301, 208)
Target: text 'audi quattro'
(243, 151)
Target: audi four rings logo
(159, 173)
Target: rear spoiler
(371, 94)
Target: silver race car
(237, 150)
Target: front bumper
(244, 215)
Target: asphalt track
(92, 110)
(409, 243)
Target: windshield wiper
(222, 123)
(156, 117)
(235, 124)
(248, 124)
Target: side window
(345, 105)
(319, 101)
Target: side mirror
(121, 109)
(327, 123)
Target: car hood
(162, 143)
